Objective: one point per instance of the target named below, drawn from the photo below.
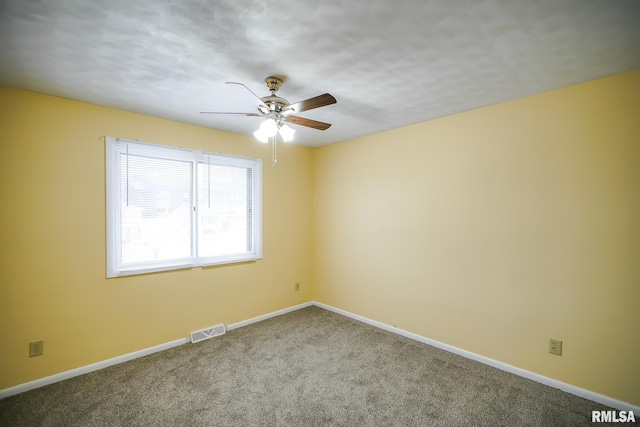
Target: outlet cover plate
(36, 348)
(555, 347)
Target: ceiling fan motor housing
(275, 103)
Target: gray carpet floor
(311, 367)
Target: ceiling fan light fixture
(261, 136)
(269, 127)
(286, 133)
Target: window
(171, 208)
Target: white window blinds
(225, 208)
(170, 208)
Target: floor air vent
(205, 334)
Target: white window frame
(115, 268)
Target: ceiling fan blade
(237, 114)
(245, 92)
(310, 104)
(308, 123)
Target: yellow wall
(52, 247)
(492, 231)
(497, 229)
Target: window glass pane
(224, 209)
(155, 198)
(158, 196)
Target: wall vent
(205, 334)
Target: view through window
(171, 208)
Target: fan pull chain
(127, 175)
(274, 156)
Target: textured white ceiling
(388, 63)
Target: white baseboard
(599, 398)
(577, 391)
(31, 385)
(268, 316)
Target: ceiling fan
(276, 110)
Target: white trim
(31, 385)
(577, 391)
(268, 316)
(115, 147)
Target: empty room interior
(478, 189)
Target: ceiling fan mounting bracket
(273, 83)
